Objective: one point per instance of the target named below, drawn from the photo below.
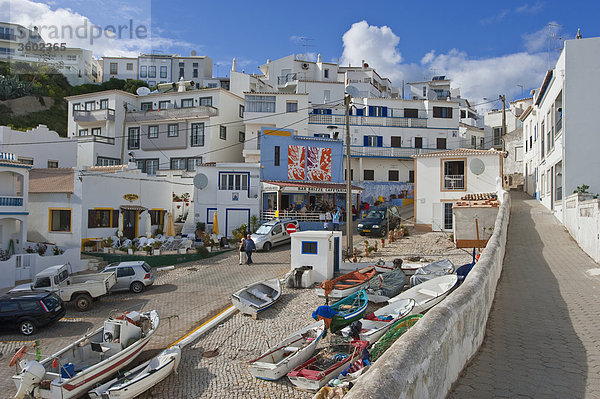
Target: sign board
(290, 228)
(131, 197)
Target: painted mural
(318, 164)
(296, 162)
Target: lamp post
(349, 223)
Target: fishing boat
(347, 284)
(257, 297)
(288, 354)
(344, 312)
(141, 378)
(429, 293)
(395, 331)
(326, 365)
(374, 325)
(409, 268)
(386, 285)
(72, 371)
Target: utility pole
(123, 136)
(503, 98)
(349, 221)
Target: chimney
(578, 34)
(319, 58)
(234, 65)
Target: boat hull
(429, 293)
(344, 318)
(267, 293)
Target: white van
(273, 232)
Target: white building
(14, 210)
(442, 178)
(19, 44)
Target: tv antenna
(553, 30)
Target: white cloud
(538, 41)
(494, 19)
(530, 9)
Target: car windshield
(51, 301)
(264, 229)
(376, 215)
(42, 282)
(146, 267)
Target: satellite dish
(477, 166)
(200, 181)
(353, 91)
(142, 91)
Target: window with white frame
(83, 132)
(448, 217)
(223, 132)
(153, 132)
(152, 71)
(371, 141)
(205, 101)
(114, 69)
(234, 181)
(326, 73)
(242, 137)
(90, 105)
(129, 66)
(241, 111)
(197, 137)
(497, 136)
(173, 130)
(163, 72)
(260, 104)
(96, 131)
(133, 138)
(187, 103)
(104, 103)
(143, 71)
(291, 106)
(106, 161)
(146, 106)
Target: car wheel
(27, 327)
(136, 287)
(383, 231)
(267, 246)
(361, 233)
(83, 302)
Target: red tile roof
(53, 180)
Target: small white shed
(322, 250)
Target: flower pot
(106, 250)
(182, 251)
(156, 252)
(130, 251)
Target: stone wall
(429, 358)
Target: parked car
(376, 221)
(29, 310)
(273, 232)
(134, 276)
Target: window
(223, 132)
(411, 176)
(205, 101)
(147, 106)
(181, 65)
(104, 103)
(113, 68)
(309, 247)
(153, 132)
(90, 105)
(463, 113)
(143, 71)
(373, 141)
(96, 131)
(369, 174)
(473, 141)
(103, 218)
(260, 103)
(173, 130)
(326, 73)
(393, 175)
(27, 161)
(497, 136)
(60, 220)
(125, 271)
(441, 143)
(149, 166)
(543, 148)
(233, 181)
(291, 106)
(77, 107)
(7, 33)
(442, 112)
(411, 113)
(164, 104)
(195, 64)
(377, 111)
(163, 72)
(83, 132)
(418, 142)
(133, 138)
(396, 141)
(241, 111)
(129, 66)
(454, 175)
(481, 142)
(197, 139)
(181, 73)
(152, 71)
(195, 73)
(326, 95)
(52, 164)
(519, 154)
(424, 91)
(276, 156)
(151, 83)
(185, 163)
(10, 307)
(156, 217)
(187, 103)
(242, 137)
(105, 161)
(448, 219)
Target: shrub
(202, 251)
(57, 251)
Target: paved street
(542, 338)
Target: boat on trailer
(347, 284)
(72, 371)
(257, 297)
(288, 354)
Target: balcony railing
(97, 115)
(290, 77)
(454, 182)
(202, 111)
(300, 216)
(11, 201)
(96, 139)
(388, 152)
(367, 121)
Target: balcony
(12, 204)
(11, 201)
(454, 182)
(203, 111)
(388, 152)
(367, 121)
(96, 139)
(285, 79)
(97, 115)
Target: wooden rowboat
(429, 293)
(288, 354)
(257, 297)
(342, 286)
(345, 311)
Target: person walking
(250, 247)
(242, 250)
(336, 219)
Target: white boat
(72, 371)
(409, 268)
(257, 297)
(429, 293)
(373, 328)
(288, 354)
(138, 380)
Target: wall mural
(318, 164)
(296, 162)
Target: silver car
(133, 276)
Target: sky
(485, 48)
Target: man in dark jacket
(250, 247)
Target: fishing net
(395, 332)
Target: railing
(367, 120)
(201, 111)
(94, 116)
(282, 80)
(11, 201)
(96, 139)
(300, 216)
(388, 152)
(454, 182)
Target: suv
(29, 310)
(133, 276)
(376, 221)
(273, 232)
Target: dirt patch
(28, 104)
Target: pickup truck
(80, 289)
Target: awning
(312, 187)
(133, 208)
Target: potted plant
(107, 245)
(41, 249)
(57, 251)
(147, 249)
(156, 247)
(131, 249)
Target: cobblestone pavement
(542, 338)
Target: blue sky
(487, 48)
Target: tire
(27, 327)
(383, 231)
(83, 302)
(136, 287)
(361, 233)
(267, 246)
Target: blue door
(336, 255)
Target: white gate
(23, 265)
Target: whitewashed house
(14, 210)
(442, 178)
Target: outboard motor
(31, 376)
